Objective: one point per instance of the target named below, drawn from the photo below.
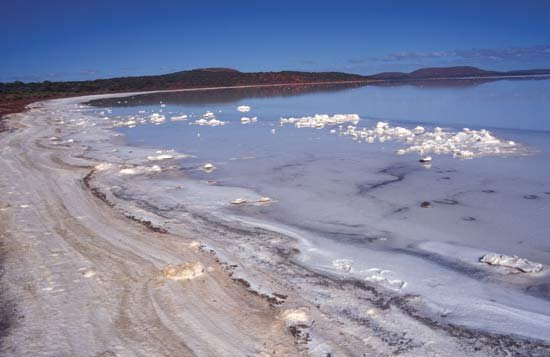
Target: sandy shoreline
(86, 280)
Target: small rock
(426, 204)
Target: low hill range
(213, 77)
(14, 96)
(465, 72)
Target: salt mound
(243, 108)
(140, 170)
(184, 271)
(378, 276)
(211, 122)
(157, 118)
(520, 264)
(295, 316)
(208, 167)
(88, 273)
(194, 245)
(465, 144)
(131, 123)
(238, 201)
(320, 120)
(103, 166)
(425, 159)
(179, 117)
(160, 157)
(343, 264)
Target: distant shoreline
(14, 96)
(20, 105)
(17, 105)
(404, 80)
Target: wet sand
(82, 269)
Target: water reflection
(506, 103)
(219, 96)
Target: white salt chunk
(521, 264)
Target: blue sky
(73, 39)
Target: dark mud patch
(446, 201)
(400, 210)
(299, 333)
(539, 290)
(276, 299)
(147, 224)
(397, 341)
(530, 197)
(350, 238)
(445, 171)
(397, 173)
(94, 190)
(469, 219)
(472, 341)
(488, 191)
(103, 197)
(451, 264)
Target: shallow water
(357, 205)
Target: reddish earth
(17, 105)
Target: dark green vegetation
(210, 77)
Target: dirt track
(80, 279)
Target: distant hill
(227, 77)
(15, 95)
(454, 72)
(197, 78)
